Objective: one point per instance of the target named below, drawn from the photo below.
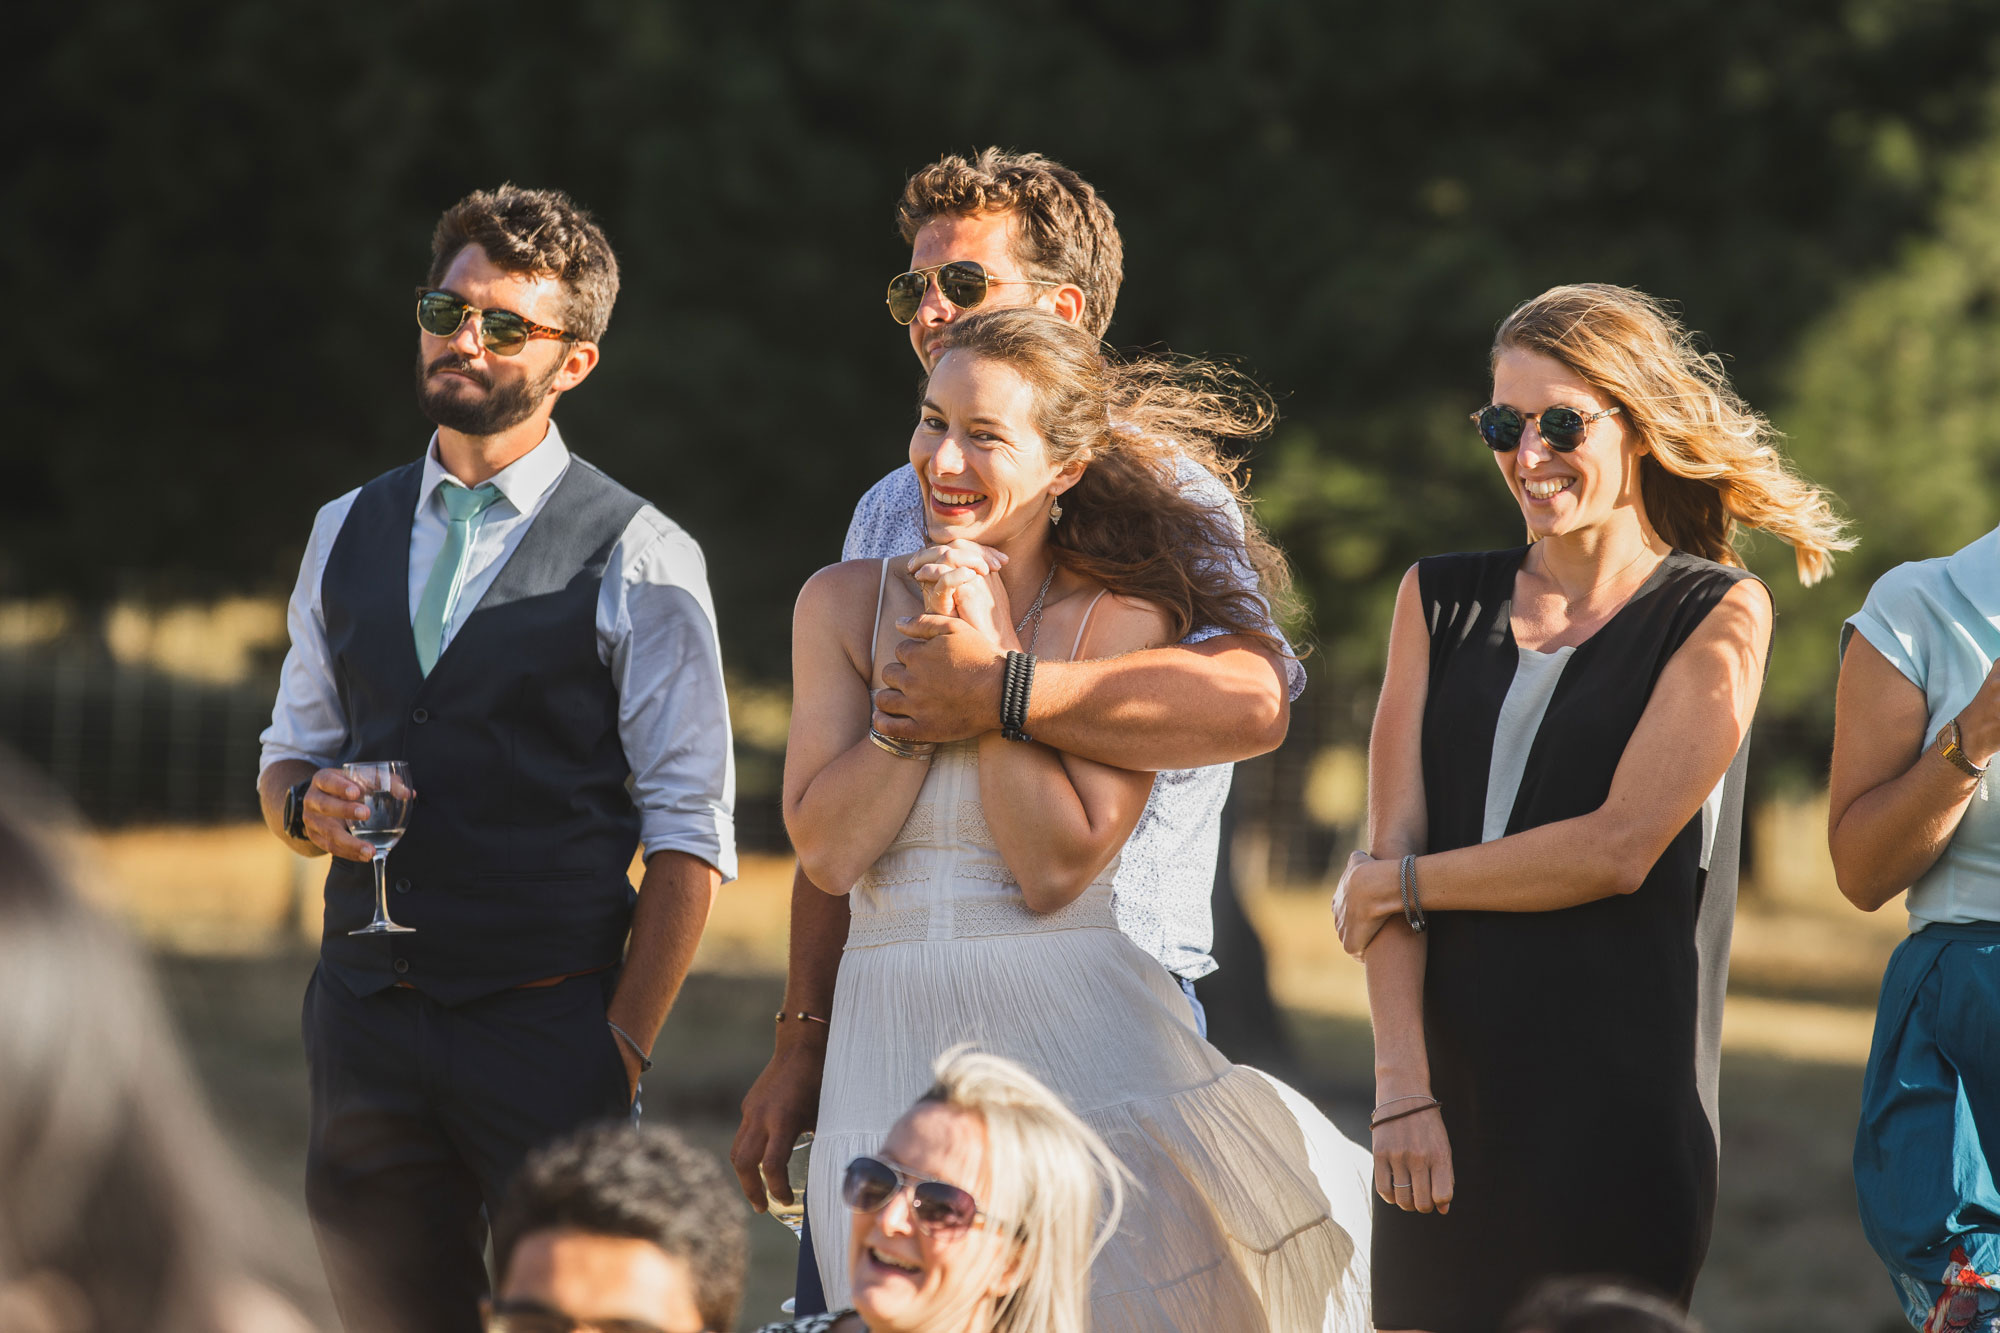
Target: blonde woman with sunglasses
(1555, 786)
(980, 1212)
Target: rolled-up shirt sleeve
(307, 721)
(656, 630)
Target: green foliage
(1896, 406)
(223, 205)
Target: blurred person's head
(1037, 230)
(120, 1209)
(1610, 411)
(628, 1230)
(542, 277)
(982, 1209)
(1022, 409)
(1594, 1305)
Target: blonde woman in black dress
(1554, 785)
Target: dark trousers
(809, 1297)
(420, 1114)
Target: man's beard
(497, 410)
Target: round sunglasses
(505, 333)
(1562, 427)
(936, 1208)
(963, 282)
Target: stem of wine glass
(381, 863)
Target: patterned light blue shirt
(1161, 894)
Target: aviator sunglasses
(1562, 427)
(505, 333)
(962, 282)
(937, 1209)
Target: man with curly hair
(618, 1228)
(538, 645)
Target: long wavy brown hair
(1148, 427)
(1712, 464)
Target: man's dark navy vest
(515, 863)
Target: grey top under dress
(1575, 1051)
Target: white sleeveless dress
(1250, 1211)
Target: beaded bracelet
(802, 1016)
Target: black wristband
(1015, 687)
(295, 809)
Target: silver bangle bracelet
(902, 749)
(645, 1061)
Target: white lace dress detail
(1250, 1211)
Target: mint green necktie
(448, 572)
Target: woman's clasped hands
(961, 579)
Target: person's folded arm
(1411, 1150)
(845, 798)
(1689, 734)
(1058, 819)
(1892, 806)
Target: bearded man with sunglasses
(1016, 229)
(539, 645)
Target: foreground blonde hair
(1711, 462)
(1053, 1181)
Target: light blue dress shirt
(1938, 622)
(655, 631)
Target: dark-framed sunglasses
(505, 333)
(537, 1320)
(963, 282)
(938, 1209)
(1562, 427)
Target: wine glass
(385, 787)
(797, 1167)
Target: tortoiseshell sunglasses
(505, 333)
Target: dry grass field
(223, 910)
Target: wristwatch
(1950, 745)
(295, 809)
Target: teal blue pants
(1930, 1118)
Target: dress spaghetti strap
(875, 631)
(1077, 647)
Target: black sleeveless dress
(1575, 1051)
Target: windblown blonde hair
(1711, 462)
(1052, 1181)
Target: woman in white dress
(981, 871)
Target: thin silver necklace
(1035, 611)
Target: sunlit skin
(907, 1282)
(987, 479)
(474, 278)
(986, 239)
(1593, 539)
(591, 1277)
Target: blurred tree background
(217, 210)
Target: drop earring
(1055, 512)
